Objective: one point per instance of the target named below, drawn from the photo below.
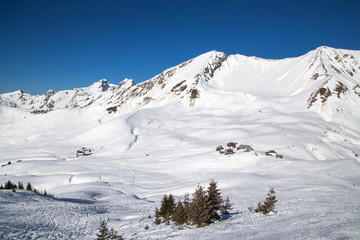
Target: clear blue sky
(64, 44)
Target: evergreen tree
(10, 185)
(103, 232)
(171, 204)
(29, 187)
(106, 234)
(167, 218)
(164, 204)
(114, 235)
(226, 206)
(199, 211)
(157, 217)
(179, 215)
(167, 208)
(186, 205)
(214, 201)
(1, 186)
(269, 203)
(21, 186)
(164, 209)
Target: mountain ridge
(320, 74)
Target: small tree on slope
(226, 206)
(199, 211)
(179, 215)
(106, 234)
(29, 187)
(269, 204)
(167, 208)
(187, 204)
(10, 185)
(157, 217)
(214, 202)
(103, 232)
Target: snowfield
(167, 145)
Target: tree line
(20, 185)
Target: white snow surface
(161, 140)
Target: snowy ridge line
(259, 77)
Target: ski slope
(166, 146)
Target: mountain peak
(324, 48)
(213, 54)
(50, 91)
(102, 85)
(126, 83)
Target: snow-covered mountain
(159, 137)
(319, 77)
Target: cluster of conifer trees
(203, 209)
(14, 186)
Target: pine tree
(167, 218)
(164, 210)
(269, 203)
(29, 187)
(10, 185)
(164, 205)
(103, 232)
(1, 186)
(226, 206)
(214, 202)
(114, 235)
(106, 234)
(167, 208)
(199, 210)
(157, 217)
(171, 204)
(21, 186)
(187, 204)
(179, 215)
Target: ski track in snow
(132, 131)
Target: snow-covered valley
(162, 136)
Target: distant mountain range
(325, 80)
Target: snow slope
(162, 138)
